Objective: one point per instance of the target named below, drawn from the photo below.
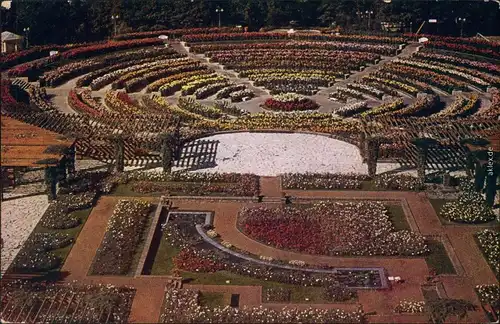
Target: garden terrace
(455, 59)
(45, 303)
(37, 52)
(291, 66)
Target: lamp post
(219, 11)
(461, 21)
(26, 34)
(114, 18)
(369, 13)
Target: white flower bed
(19, 218)
(271, 154)
(289, 97)
(352, 108)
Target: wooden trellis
(450, 154)
(198, 154)
(62, 304)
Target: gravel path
(268, 154)
(19, 218)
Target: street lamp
(461, 21)
(219, 11)
(369, 13)
(26, 33)
(114, 18)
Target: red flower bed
(464, 48)
(188, 260)
(299, 104)
(178, 32)
(339, 228)
(77, 104)
(8, 102)
(36, 52)
(109, 47)
(27, 68)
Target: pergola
(27, 146)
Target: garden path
(270, 186)
(59, 96)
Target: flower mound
(330, 228)
(489, 242)
(289, 102)
(469, 208)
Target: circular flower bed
(289, 102)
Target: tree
(119, 153)
(480, 158)
(167, 149)
(491, 183)
(372, 146)
(423, 144)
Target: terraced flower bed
(342, 181)
(330, 228)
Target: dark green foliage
(85, 20)
(441, 309)
(479, 176)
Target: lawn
(298, 293)
(397, 217)
(212, 299)
(437, 204)
(438, 259)
(72, 232)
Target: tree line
(70, 21)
